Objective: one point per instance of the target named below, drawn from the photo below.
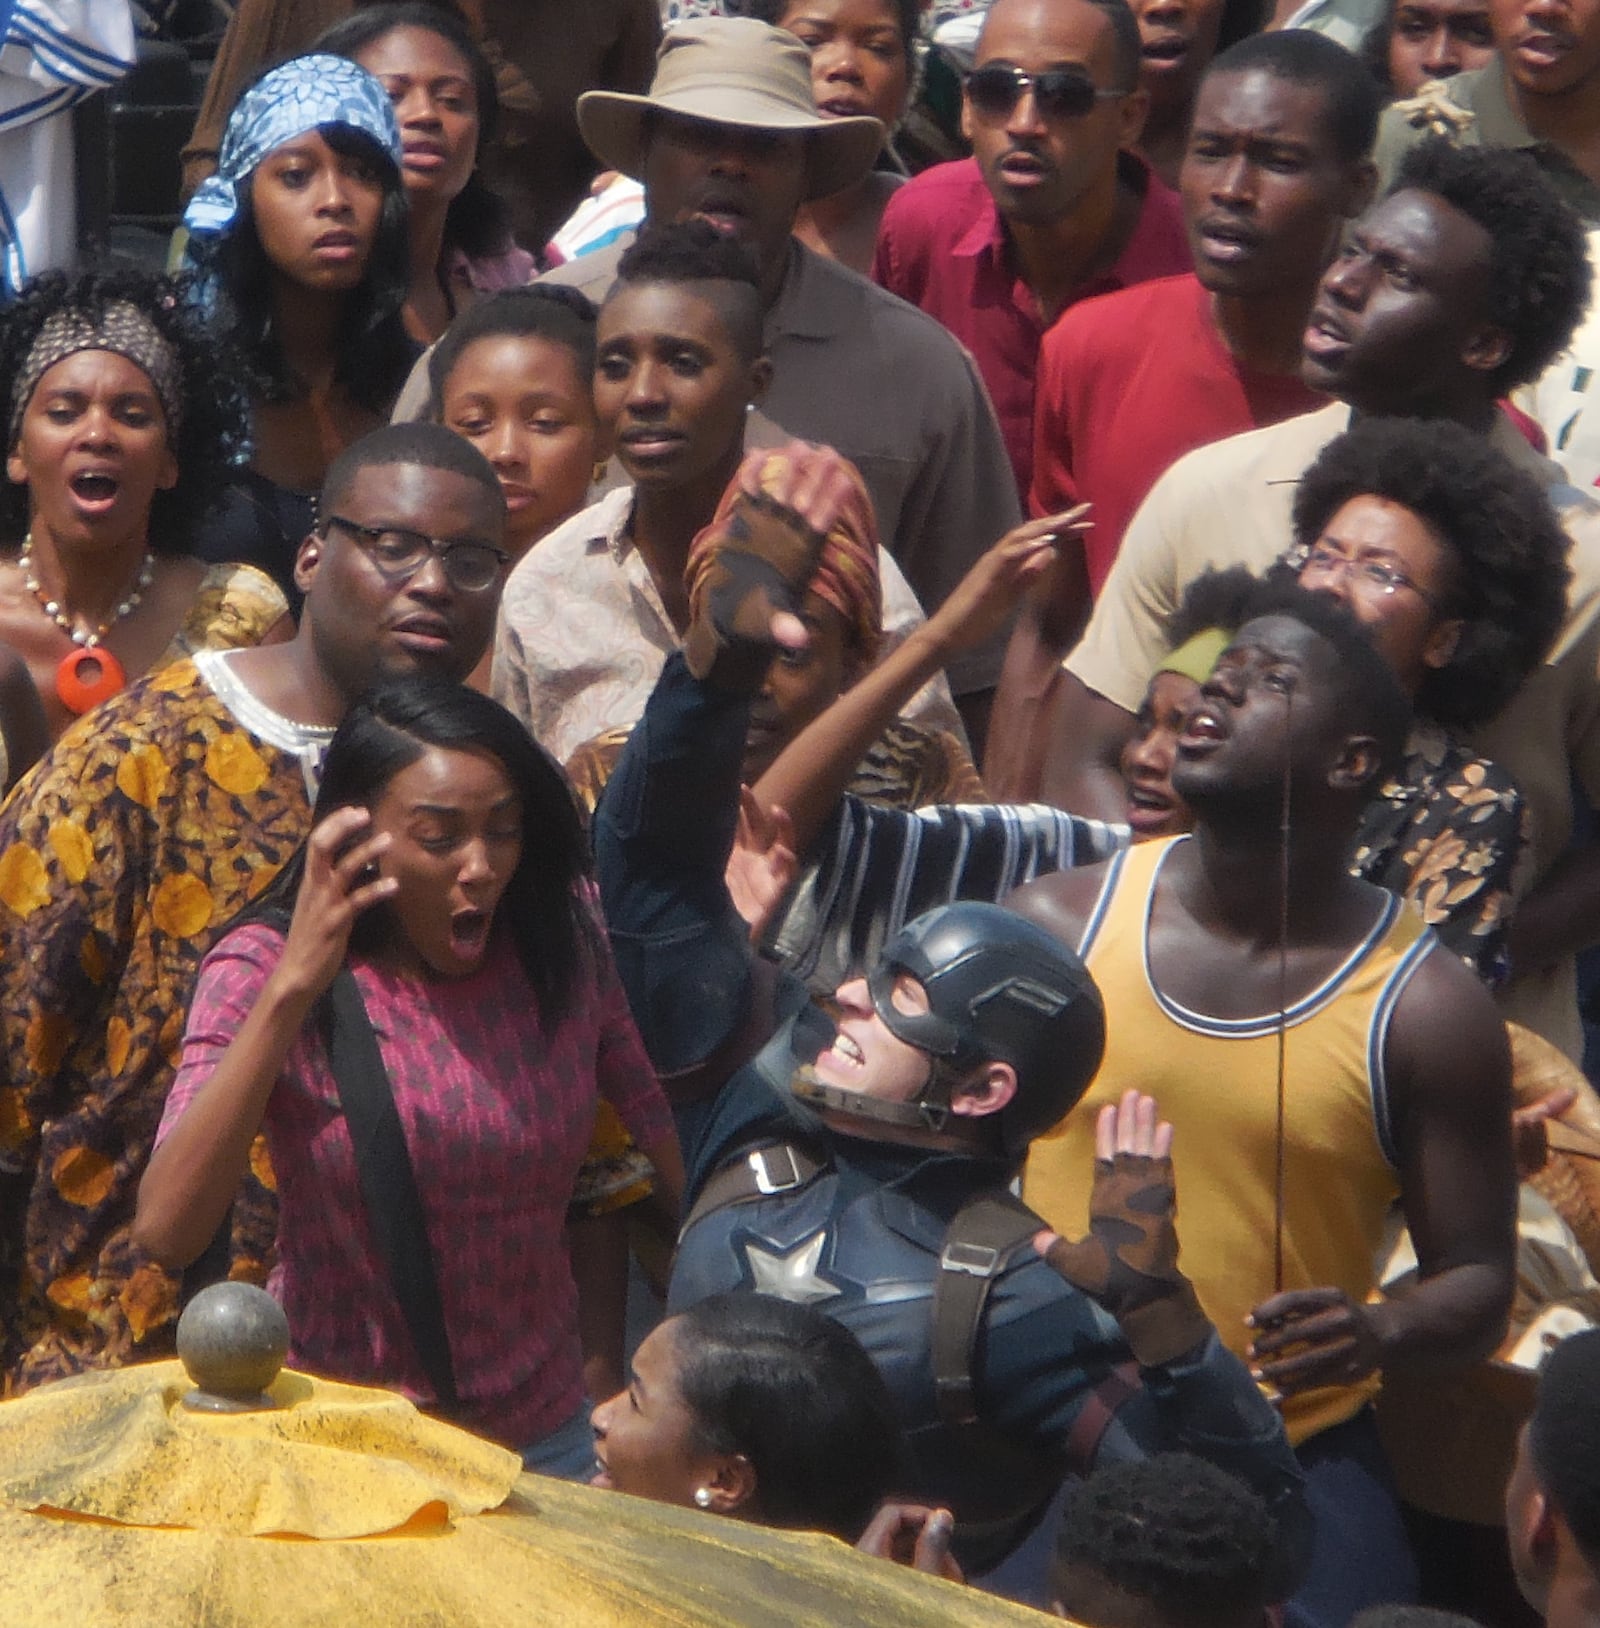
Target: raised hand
(341, 880)
(747, 574)
(984, 599)
(762, 864)
(1129, 1260)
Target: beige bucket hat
(732, 70)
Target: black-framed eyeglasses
(1378, 575)
(1059, 93)
(399, 553)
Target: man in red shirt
(1051, 208)
(1277, 161)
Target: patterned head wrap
(122, 329)
(302, 94)
(847, 571)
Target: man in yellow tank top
(1395, 1077)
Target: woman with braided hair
(124, 421)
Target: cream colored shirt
(583, 634)
(1229, 504)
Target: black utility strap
(977, 1244)
(388, 1183)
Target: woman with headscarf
(300, 239)
(123, 423)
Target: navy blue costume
(861, 1238)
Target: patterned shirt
(122, 855)
(496, 1108)
(583, 633)
(1446, 833)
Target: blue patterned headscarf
(300, 95)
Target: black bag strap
(388, 1183)
(977, 1244)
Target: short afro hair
(1564, 1437)
(694, 251)
(550, 311)
(213, 436)
(1508, 552)
(1539, 274)
(1299, 57)
(431, 446)
(1214, 599)
(1174, 1531)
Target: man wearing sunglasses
(1052, 207)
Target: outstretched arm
(812, 772)
(664, 827)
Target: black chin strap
(930, 1112)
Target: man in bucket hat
(729, 133)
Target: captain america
(861, 1160)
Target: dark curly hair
(374, 352)
(1539, 276)
(476, 221)
(1509, 566)
(213, 432)
(563, 316)
(1214, 599)
(1173, 1531)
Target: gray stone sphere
(232, 1339)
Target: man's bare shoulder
(1063, 901)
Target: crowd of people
(718, 689)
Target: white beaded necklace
(52, 608)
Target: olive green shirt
(1474, 109)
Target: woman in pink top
(446, 871)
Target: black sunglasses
(1059, 93)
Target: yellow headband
(1196, 657)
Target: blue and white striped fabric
(875, 868)
(55, 53)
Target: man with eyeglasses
(1461, 284)
(1053, 206)
(149, 825)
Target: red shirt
(497, 1106)
(943, 246)
(1127, 385)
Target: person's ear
(1442, 642)
(986, 1091)
(1539, 1531)
(1360, 184)
(1486, 348)
(307, 560)
(1132, 111)
(760, 379)
(730, 1487)
(16, 467)
(966, 117)
(168, 478)
(1357, 764)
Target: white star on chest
(790, 1274)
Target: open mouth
(1165, 50)
(424, 635)
(1325, 335)
(1203, 732)
(843, 107)
(1542, 50)
(729, 216)
(94, 487)
(1023, 169)
(1226, 240)
(469, 932)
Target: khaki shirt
(1474, 109)
(1229, 504)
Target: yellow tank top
(1216, 1081)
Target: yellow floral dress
(123, 854)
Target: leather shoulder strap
(977, 1244)
(388, 1182)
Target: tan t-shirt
(1229, 504)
